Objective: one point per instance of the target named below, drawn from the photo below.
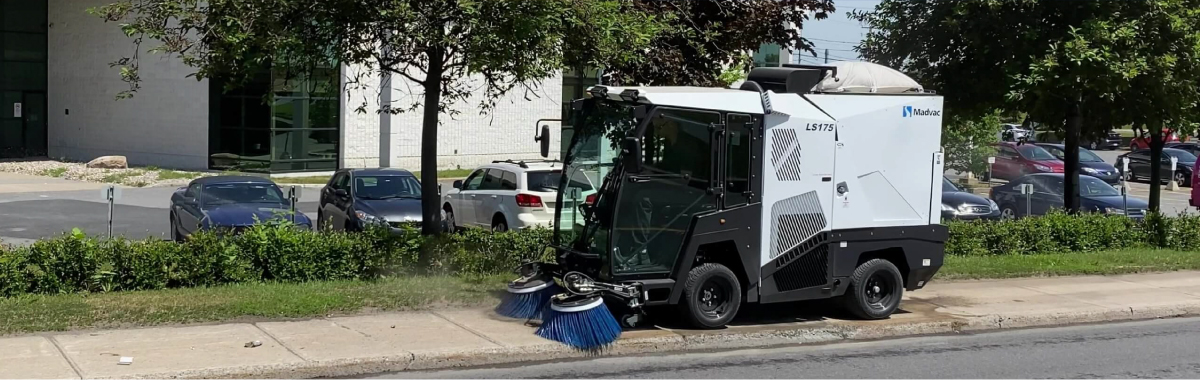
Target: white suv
(508, 195)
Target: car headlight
(1042, 167)
(1090, 170)
(367, 218)
(993, 205)
(947, 208)
(1114, 210)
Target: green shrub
(280, 252)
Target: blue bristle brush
(581, 322)
(527, 297)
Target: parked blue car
(229, 203)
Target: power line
(831, 41)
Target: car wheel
(1181, 179)
(1127, 176)
(320, 220)
(448, 216)
(499, 224)
(175, 236)
(712, 296)
(1008, 213)
(875, 290)
(1093, 145)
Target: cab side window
(491, 180)
(508, 180)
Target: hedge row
(75, 262)
(1063, 233)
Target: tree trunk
(431, 214)
(1071, 167)
(1156, 150)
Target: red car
(1016, 160)
(1143, 141)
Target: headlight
(1042, 167)
(367, 218)
(1090, 170)
(1114, 210)
(993, 205)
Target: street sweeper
(806, 182)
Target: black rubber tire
(499, 224)
(320, 220)
(696, 310)
(1012, 211)
(175, 236)
(857, 299)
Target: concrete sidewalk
(429, 340)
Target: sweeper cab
(801, 184)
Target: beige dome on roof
(868, 77)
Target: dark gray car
(355, 198)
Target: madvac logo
(909, 111)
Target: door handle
(494, 197)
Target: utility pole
(826, 56)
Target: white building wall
(164, 124)
(360, 128)
(465, 140)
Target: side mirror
(544, 138)
(341, 193)
(631, 151)
(458, 184)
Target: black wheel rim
(880, 290)
(714, 298)
(1179, 179)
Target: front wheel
(875, 290)
(1182, 179)
(712, 296)
(175, 236)
(1008, 213)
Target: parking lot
(36, 207)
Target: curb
(669, 341)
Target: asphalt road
(1151, 349)
(140, 213)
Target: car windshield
(1088, 186)
(1183, 156)
(386, 187)
(948, 186)
(229, 193)
(1036, 153)
(1084, 154)
(548, 181)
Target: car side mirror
(544, 138)
(341, 193)
(631, 151)
(458, 184)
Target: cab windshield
(637, 221)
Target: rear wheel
(499, 224)
(875, 290)
(1007, 212)
(712, 296)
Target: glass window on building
(278, 122)
(575, 84)
(23, 78)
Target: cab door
(656, 207)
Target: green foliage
(1064, 233)
(966, 142)
(268, 252)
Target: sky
(838, 33)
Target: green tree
(704, 38)
(966, 143)
(447, 48)
(1063, 62)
